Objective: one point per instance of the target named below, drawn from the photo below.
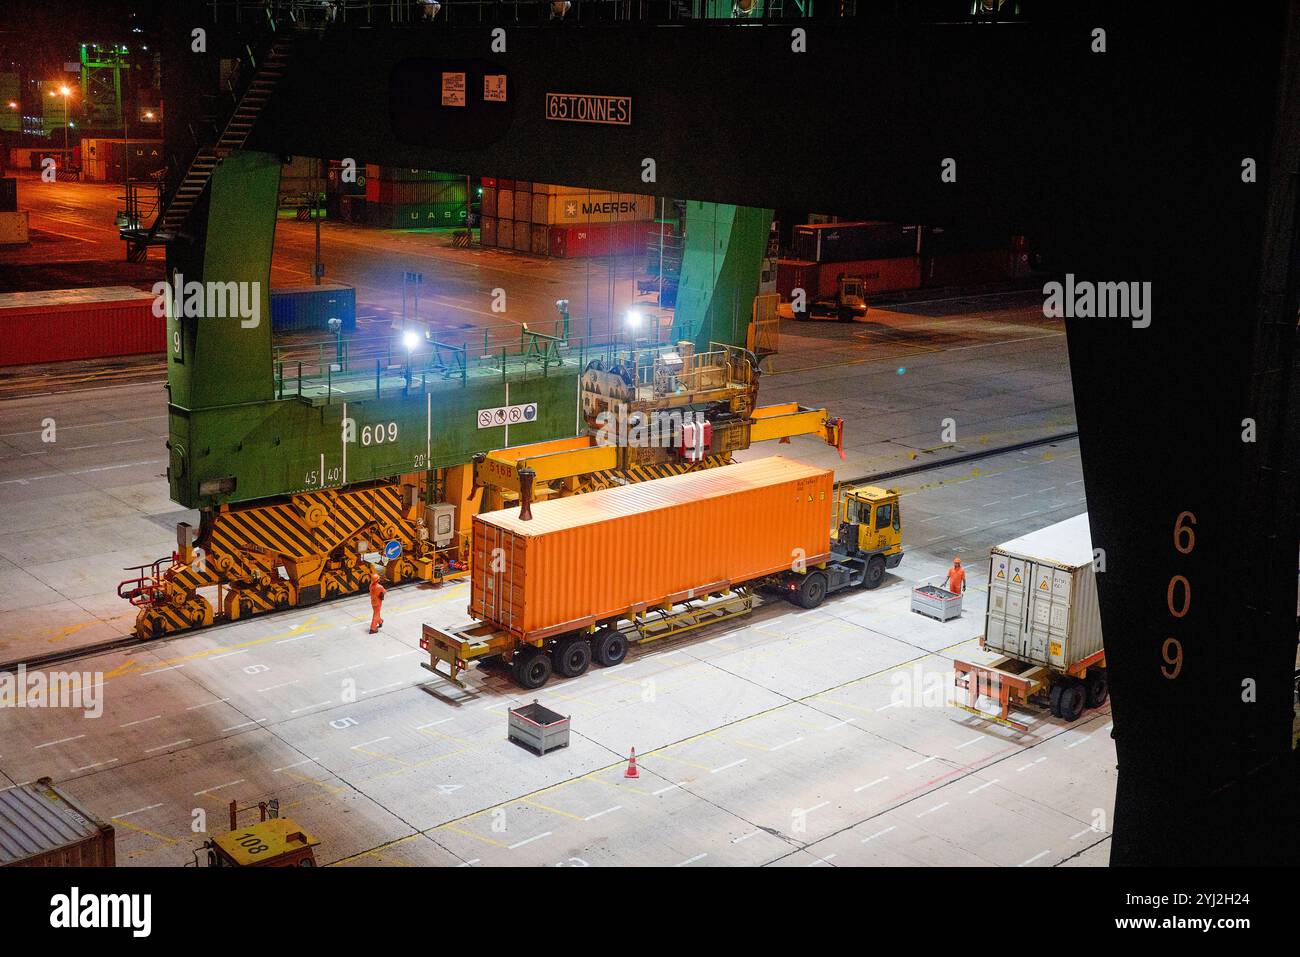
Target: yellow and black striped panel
(275, 528)
(647, 473)
(281, 527)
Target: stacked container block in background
(563, 221)
(400, 198)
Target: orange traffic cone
(631, 771)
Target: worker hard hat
(956, 561)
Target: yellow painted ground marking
(144, 830)
(477, 837)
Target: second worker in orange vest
(377, 592)
(956, 577)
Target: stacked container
(401, 198)
(563, 221)
(107, 160)
(958, 257)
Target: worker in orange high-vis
(377, 592)
(956, 577)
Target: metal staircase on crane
(191, 188)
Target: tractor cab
(273, 841)
(853, 295)
(868, 523)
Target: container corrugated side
(68, 324)
(591, 558)
(296, 308)
(1042, 602)
(877, 275)
(41, 826)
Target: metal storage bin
(538, 728)
(935, 602)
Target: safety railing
(429, 13)
(413, 361)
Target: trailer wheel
(610, 647)
(572, 656)
(532, 668)
(1098, 687)
(1054, 699)
(875, 572)
(1072, 700)
(812, 590)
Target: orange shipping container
(593, 558)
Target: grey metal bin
(935, 602)
(538, 728)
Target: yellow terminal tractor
(273, 841)
(868, 539)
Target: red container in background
(406, 194)
(792, 274)
(877, 275)
(65, 324)
(968, 268)
(610, 239)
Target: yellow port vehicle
(273, 841)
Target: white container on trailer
(1042, 606)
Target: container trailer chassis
(1011, 681)
(572, 652)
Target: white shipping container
(1042, 605)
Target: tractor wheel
(812, 590)
(1098, 687)
(1072, 700)
(572, 656)
(532, 668)
(610, 647)
(875, 572)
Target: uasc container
(596, 557)
(1042, 605)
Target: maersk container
(1042, 605)
(593, 558)
(295, 308)
(41, 826)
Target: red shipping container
(65, 324)
(611, 239)
(792, 274)
(392, 193)
(488, 182)
(963, 269)
(878, 275)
